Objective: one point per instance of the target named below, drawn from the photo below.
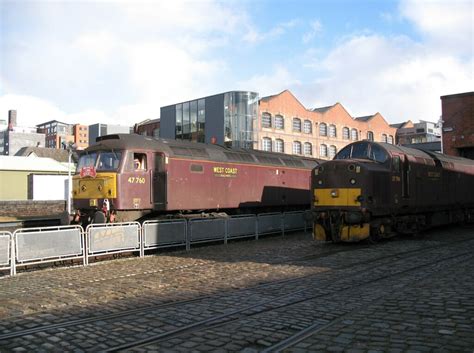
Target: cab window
(139, 161)
(108, 160)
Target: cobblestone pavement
(276, 294)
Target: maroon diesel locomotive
(374, 190)
(126, 177)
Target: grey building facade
(99, 129)
(228, 119)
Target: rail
(32, 246)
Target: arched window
(323, 150)
(307, 127)
(390, 139)
(296, 125)
(354, 135)
(308, 149)
(266, 120)
(332, 131)
(384, 138)
(332, 151)
(279, 146)
(345, 133)
(267, 144)
(370, 135)
(279, 122)
(323, 129)
(296, 147)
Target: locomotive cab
(348, 189)
(101, 173)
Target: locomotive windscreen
(363, 150)
(100, 160)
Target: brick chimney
(11, 119)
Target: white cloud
(315, 29)
(445, 24)
(253, 35)
(395, 76)
(267, 84)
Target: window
(308, 149)
(354, 135)
(196, 168)
(323, 129)
(307, 127)
(323, 150)
(345, 133)
(370, 135)
(139, 161)
(384, 138)
(267, 144)
(108, 160)
(279, 122)
(266, 120)
(296, 125)
(296, 147)
(279, 146)
(390, 139)
(332, 131)
(332, 151)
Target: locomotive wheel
(376, 233)
(99, 217)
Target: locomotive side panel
(198, 184)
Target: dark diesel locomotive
(126, 177)
(374, 190)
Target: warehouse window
(323, 129)
(323, 150)
(384, 138)
(307, 127)
(279, 122)
(279, 146)
(266, 120)
(296, 147)
(308, 149)
(345, 133)
(267, 144)
(370, 135)
(354, 135)
(296, 125)
(332, 131)
(390, 139)
(332, 151)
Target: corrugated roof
(57, 154)
(33, 164)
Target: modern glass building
(228, 119)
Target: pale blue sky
(119, 62)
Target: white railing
(30, 246)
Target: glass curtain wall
(240, 119)
(191, 120)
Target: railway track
(304, 283)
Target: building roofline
(456, 95)
(53, 121)
(204, 97)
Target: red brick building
(81, 136)
(458, 124)
(285, 125)
(148, 128)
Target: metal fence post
(188, 230)
(226, 225)
(256, 227)
(283, 224)
(86, 247)
(12, 256)
(141, 231)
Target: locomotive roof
(426, 157)
(194, 150)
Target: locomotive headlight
(320, 182)
(334, 193)
(352, 181)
